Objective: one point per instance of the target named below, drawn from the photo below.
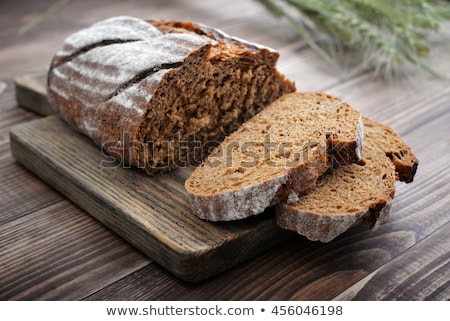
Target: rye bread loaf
(357, 194)
(157, 94)
(275, 156)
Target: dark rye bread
(157, 94)
(357, 194)
(395, 148)
(274, 156)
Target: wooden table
(51, 249)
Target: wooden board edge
(189, 266)
(31, 93)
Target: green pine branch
(385, 34)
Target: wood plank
(61, 253)
(280, 273)
(20, 192)
(31, 93)
(296, 270)
(151, 212)
(23, 194)
(401, 104)
(303, 270)
(402, 207)
(420, 273)
(9, 116)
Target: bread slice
(157, 94)
(276, 155)
(395, 148)
(357, 194)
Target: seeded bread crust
(157, 94)
(352, 195)
(275, 156)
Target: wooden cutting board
(150, 212)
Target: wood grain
(25, 195)
(64, 256)
(286, 272)
(9, 116)
(402, 104)
(151, 212)
(61, 253)
(420, 273)
(31, 93)
(311, 285)
(303, 270)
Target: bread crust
(325, 228)
(395, 148)
(318, 225)
(128, 84)
(253, 199)
(304, 116)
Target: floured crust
(325, 228)
(150, 93)
(234, 204)
(301, 128)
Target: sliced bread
(395, 148)
(155, 94)
(275, 156)
(357, 194)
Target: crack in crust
(142, 75)
(107, 42)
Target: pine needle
(385, 35)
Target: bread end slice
(358, 194)
(325, 228)
(388, 140)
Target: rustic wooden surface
(150, 212)
(52, 249)
(31, 93)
